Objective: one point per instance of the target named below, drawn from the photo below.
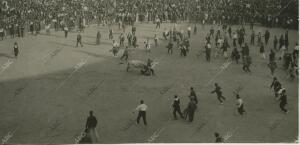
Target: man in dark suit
(91, 124)
(276, 85)
(91, 121)
(218, 91)
(22, 29)
(176, 107)
(98, 38)
(192, 106)
(133, 30)
(193, 95)
(79, 40)
(219, 139)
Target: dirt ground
(47, 92)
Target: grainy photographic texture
(148, 71)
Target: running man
(218, 91)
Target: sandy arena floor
(47, 92)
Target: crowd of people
(223, 38)
(17, 17)
(22, 15)
(220, 40)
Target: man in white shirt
(47, 27)
(240, 105)
(142, 112)
(208, 51)
(235, 37)
(166, 34)
(157, 23)
(155, 40)
(55, 24)
(283, 51)
(115, 48)
(189, 29)
(66, 29)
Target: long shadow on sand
(5, 55)
(80, 90)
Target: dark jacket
(176, 103)
(193, 94)
(78, 37)
(283, 99)
(192, 106)
(275, 84)
(98, 35)
(217, 90)
(91, 122)
(219, 140)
